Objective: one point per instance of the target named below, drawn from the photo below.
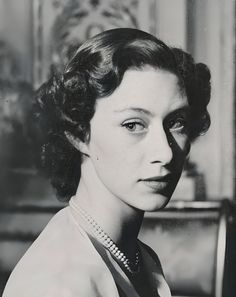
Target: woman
(118, 126)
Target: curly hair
(66, 103)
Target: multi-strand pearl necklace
(131, 267)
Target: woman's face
(139, 140)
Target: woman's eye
(134, 126)
(177, 125)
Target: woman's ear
(77, 143)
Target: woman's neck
(120, 221)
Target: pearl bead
(107, 241)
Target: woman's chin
(155, 203)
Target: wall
(16, 30)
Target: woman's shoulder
(61, 258)
(55, 286)
(58, 241)
(87, 280)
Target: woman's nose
(160, 147)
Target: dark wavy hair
(67, 101)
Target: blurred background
(37, 37)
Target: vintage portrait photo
(117, 148)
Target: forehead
(154, 90)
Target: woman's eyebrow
(136, 109)
(182, 109)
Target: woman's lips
(157, 183)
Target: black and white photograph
(117, 148)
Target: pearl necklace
(131, 267)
